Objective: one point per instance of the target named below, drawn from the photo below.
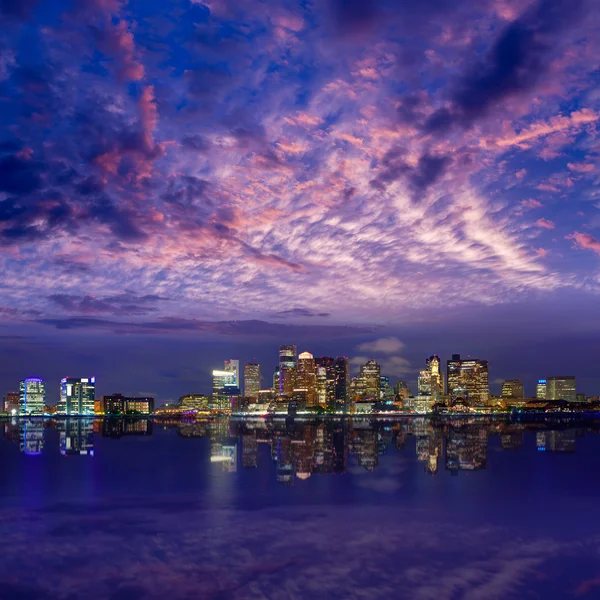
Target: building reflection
(301, 449)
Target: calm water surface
(294, 509)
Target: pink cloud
(531, 203)
(581, 167)
(521, 173)
(585, 241)
(545, 224)
(546, 187)
(148, 113)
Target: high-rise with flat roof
(306, 377)
(288, 360)
(561, 388)
(541, 389)
(32, 396)
(342, 383)
(512, 388)
(77, 396)
(468, 379)
(370, 373)
(251, 380)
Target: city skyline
(324, 383)
(329, 173)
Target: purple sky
(184, 181)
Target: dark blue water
(275, 509)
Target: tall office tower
(233, 366)
(224, 388)
(561, 388)
(77, 396)
(287, 370)
(11, 402)
(402, 390)
(512, 388)
(306, 377)
(342, 382)
(321, 385)
(357, 389)
(468, 378)
(251, 380)
(328, 363)
(276, 381)
(385, 389)
(431, 381)
(32, 396)
(370, 373)
(541, 389)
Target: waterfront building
(370, 373)
(120, 405)
(512, 388)
(199, 402)
(306, 377)
(287, 369)
(561, 388)
(224, 389)
(251, 380)
(11, 402)
(541, 389)
(468, 379)
(32, 396)
(321, 385)
(77, 396)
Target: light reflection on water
(412, 508)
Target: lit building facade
(401, 390)
(431, 380)
(370, 373)
(468, 379)
(288, 362)
(32, 396)
(512, 388)
(326, 381)
(540, 390)
(233, 366)
(11, 402)
(77, 396)
(224, 389)
(561, 388)
(120, 405)
(306, 378)
(251, 380)
(198, 402)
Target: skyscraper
(224, 388)
(342, 383)
(370, 373)
(233, 366)
(561, 388)
(540, 390)
(32, 396)
(468, 379)
(321, 385)
(287, 370)
(512, 388)
(431, 380)
(306, 377)
(402, 390)
(327, 363)
(77, 395)
(251, 380)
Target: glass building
(540, 390)
(287, 370)
(306, 377)
(77, 396)
(32, 396)
(342, 383)
(370, 373)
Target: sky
(187, 181)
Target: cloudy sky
(184, 181)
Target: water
(273, 509)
